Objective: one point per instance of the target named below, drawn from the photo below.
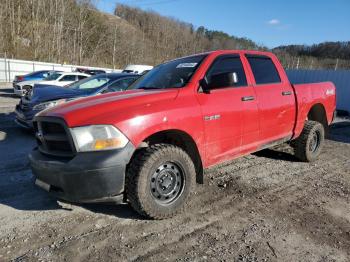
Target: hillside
(75, 32)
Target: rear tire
(159, 181)
(308, 146)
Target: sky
(268, 22)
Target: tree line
(75, 32)
(327, 55)
(322, 50)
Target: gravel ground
(262, 207)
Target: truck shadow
(340, 131)
(276, 154)
(120, 210)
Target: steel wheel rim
(167, 183)
(315, 141)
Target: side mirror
(223, 80)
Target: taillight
(20, 78)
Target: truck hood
(111, 108)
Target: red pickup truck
(150, 144)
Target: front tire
(308, 146)
(27, 89)
(159, 181)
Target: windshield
(92, 83)
(53, 76)
(176, 73)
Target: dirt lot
(263, 207)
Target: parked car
(31, 77)
(55, 78)
(90, 71)
(45, 97)
(150, 145)
(62, 79)
(137, 69)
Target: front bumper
(24, 118)
(86, 178)
(18, 92)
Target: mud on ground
(262, 207)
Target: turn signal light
(107, 143)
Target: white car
(55, 79)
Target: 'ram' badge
(214, 117)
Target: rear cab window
(264, 69)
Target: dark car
(45, 97)
(90, 71)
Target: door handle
(286, 93)
(248, 98)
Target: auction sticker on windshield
(186, 65)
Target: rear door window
(264, 69)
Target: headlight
(49, 104)
(98, 137)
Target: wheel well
(182, 140)
(27, 87)
(318, 113)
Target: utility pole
(312, 63)
(6, 68)
(114, 45)
(298, 63)
(336, 65)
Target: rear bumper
(87, 178)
